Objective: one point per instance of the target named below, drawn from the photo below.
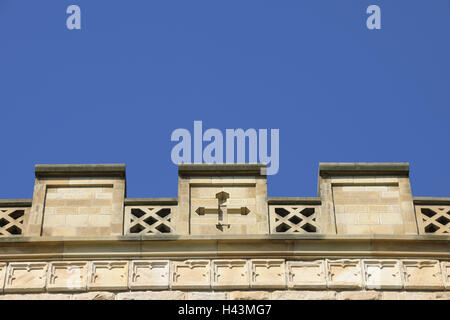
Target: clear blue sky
(114, 91)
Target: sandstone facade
(364, 237)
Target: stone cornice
(431, 200)
(80, 170)
(294, 200)
(363, 168)
(183, 247)
(227, 169)
(15, 203)
(151, 201)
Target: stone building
(363, 237)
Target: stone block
(391, 218)
(382, 274)
(446, 273)
(391, 295)
(26, 277)
(306, 274)
(408, 295)
(355, 209)
(304, 295)
(368, 219)
(100, 220)
(67, 276)
(3, 268)
(37, 296)
(268, 273)
(382, 229)
(249, 295)
(230, 274)
(422, 274)
(76, 220)
(55, 220)
(344, 274)
(151, 295)
(191, 274)
(206, 296)
(149, 274)
(359, 295)
(108, 275)
(94, 296)
(442, 295)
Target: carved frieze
(149, 274)
(108, 275)
(26, 277)
(191, 274)
(230, 274)
(268, 273)
(67, 276)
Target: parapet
(82, 200)
(364, 231)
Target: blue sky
(114, 91)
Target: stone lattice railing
(433, 215)
(149, 216)
(294, 215)
(13, 214)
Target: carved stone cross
(223, 210)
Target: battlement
(364, 233)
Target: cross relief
(222, 210)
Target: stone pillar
(326, 220)
(77, 200)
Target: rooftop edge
(230, 169)
(78, 170)
(363, 168)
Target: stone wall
(235, 295)
(77, 211)
(363, 237)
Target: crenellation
(364, 237)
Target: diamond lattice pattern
(11, 221)
(145, 220)
(434, 219)
(294, 219)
